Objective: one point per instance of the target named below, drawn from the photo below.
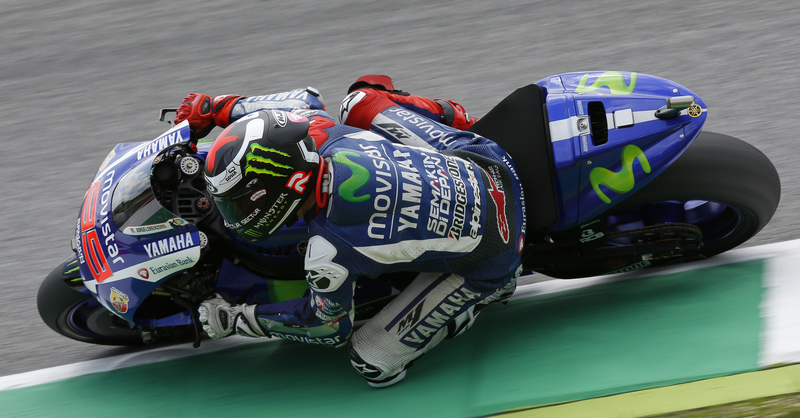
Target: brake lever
(164, 112)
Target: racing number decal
(89, 206)
(94, 256)
(92, 250)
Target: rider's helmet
(259, 172)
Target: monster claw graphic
(253, 158)
(357, 180)
(622, 181)
(614, 80)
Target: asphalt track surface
(78, 77)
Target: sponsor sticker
(294, 117)
(280, 117)
(169, 245)
(632, 267)
(298, 181)
(109, 157)
(154, 228)
(119, 300)
(255, 196)
(328, 310)
(695, 110)
(498, 197)
(156, 145)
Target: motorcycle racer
(397, 187)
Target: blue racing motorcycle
(617, 173)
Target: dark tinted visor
(242, 208)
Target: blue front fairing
(591, 176)
(122, 264)
(128, 244)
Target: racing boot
(466, 319)
(447, 112)
(414, 323)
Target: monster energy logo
(614, 80)
(71, 267)
(357, 180)
(622, 181)
(255, 157)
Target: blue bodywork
(123, 264)
(629, 99)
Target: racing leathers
(404, 193)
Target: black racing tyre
(722, 185)
(725, 171)
(75, 314)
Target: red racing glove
(204, 114)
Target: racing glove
(219, 319)
(204, 113)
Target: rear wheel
(724, 187)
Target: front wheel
(68, 309)
(721, 185)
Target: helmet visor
(240, 209)
(257, 214)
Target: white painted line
(780, 308)
(782, 342)
(52, 374)
(768, 251)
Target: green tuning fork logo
(614, 80)
(357, 180)
(622, 181)
(255, 157)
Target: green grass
(784, 406)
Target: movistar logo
(259, 161)
(614, 80)
(622, 181)
(358, 179)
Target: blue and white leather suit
(409, 195)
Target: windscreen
(134, 206)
